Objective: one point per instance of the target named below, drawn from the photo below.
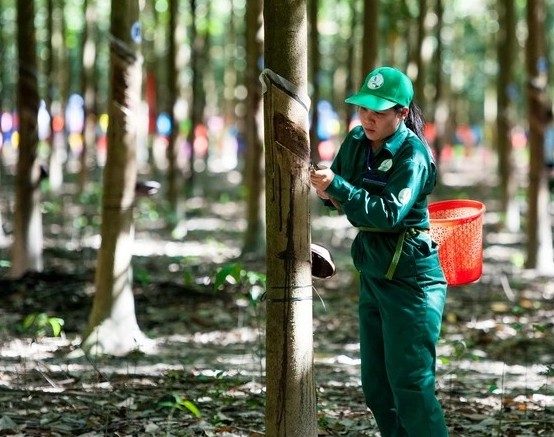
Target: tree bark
(420, 58)
(539, 232)
(254, 237)
(26, 248)
(88, 89)
(197, 98)
(290, 407)
(352, 81)
(174, 179)
(291, 399)
(315, 67)
(57, 78)
(506, 45)
(113, 327)
(440, 106)
(370, 41)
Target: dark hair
(414, 121)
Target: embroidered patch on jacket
(385, 165)
(405, 195)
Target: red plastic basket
(457, 227)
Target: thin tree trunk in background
(62, 82)
(254, 237)
(351, 79)
(230, 78)
(441, 108)
(174, 181)
(506, 46)
(4, 72)
(369, 52)
(315, 65)
(26, 254)
(290, 391)
(153, 83)
(57, 83)
(196, 104)
(88, 89)
(419, 85)
(112, 327)
(49, 70)
(539, 233)
(3, 106)
(370, 39)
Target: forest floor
(206, 377)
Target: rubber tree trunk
(539, 231)
(113, 328)
(291, 401)
(254, 237)
(26, 248)
(290, 386)
(290, 408)
(506, 49)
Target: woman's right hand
(321, 179)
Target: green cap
(384, 88)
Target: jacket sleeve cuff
(340, 189)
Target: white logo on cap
(375, 82)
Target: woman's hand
(321, 179)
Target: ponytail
(416, 123)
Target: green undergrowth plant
(251, 282)
(42, 325)
(252, 285)
(174, 402)
(459, 349)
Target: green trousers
(400, 322)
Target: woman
(380, 179)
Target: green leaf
(37, 323)
(168, 401)
(517, 310)
(29, 321)
(56, 324)
(175, 401)
(233, 270)
(192, 408)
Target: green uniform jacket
(385, 193)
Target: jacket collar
(393, 143)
